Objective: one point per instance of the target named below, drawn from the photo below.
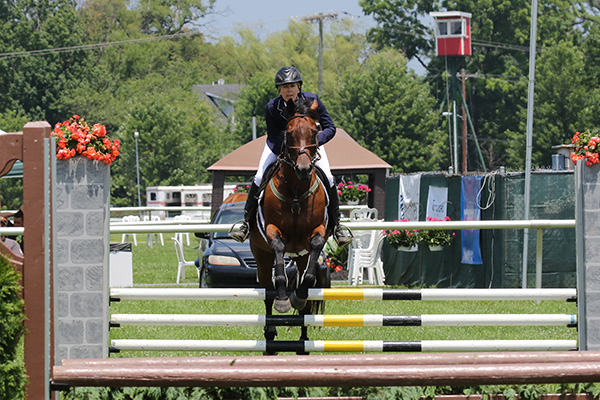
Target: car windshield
(228, 216)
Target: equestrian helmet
(288, 75)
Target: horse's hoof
(297, 302)
(282, 306)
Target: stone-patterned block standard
(81, 237)
(588, 253)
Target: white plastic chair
(125, 236)
(181, 262)
(367, 255)
(363, 214)
(152, 237)
(360, 241)
(183, 234)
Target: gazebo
(345, 155)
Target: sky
(267, 16)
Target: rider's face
(289, 91)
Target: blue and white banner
(408, 197)
(470, 211)
(437, 202)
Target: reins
(296, 200)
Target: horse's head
(300, 144)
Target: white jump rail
(539, 224)
(341, 346)
(344, 320)
(345, 294)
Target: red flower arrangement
(586, 148)
(332, 265)
(76, 137)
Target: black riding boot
(334, 216)
(249, 210)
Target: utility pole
(320, 17)
(464, 124)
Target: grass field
(157, 266)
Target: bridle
(300, 149)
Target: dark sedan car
(227, 263)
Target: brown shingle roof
(344, 153)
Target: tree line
(131, 65)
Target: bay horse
(292, 219)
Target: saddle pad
(260, 217)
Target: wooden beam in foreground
(335, 370)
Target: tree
(178, 141)
(500, 40)
(560, 108)
(392, 113)
(30, 82)
(400, 26)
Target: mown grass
(158, 266)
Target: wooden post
(33, 268)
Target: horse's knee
(317, 242)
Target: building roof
(344, 153)
(221, 96)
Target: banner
(408, 197)
(437, 202)
(470, 211)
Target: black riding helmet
(288, 75)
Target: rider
(288, 82)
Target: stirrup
(239, 236)
(349, 238)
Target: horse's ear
(314, 106)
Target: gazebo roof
(344, 154)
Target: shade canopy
(345, 155)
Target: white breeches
(268, 157)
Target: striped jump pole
(117, 294)
(366, 346)
(569, 320)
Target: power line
(94, 46)
(194, 33)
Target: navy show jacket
(277, 122)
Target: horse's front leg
(309, 280)
(281, 303)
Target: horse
(292, 219)
(235, 197)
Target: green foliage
(567, 90)
(391, 112)
(400, 25)
(336, 255)
(13, 121)
(12, 319)
(34, 83)
(560, 107)
(11, 193)
(252, 102)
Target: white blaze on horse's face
(302, 146)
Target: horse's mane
(303, 107)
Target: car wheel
(203, 283)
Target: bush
(12, 317)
